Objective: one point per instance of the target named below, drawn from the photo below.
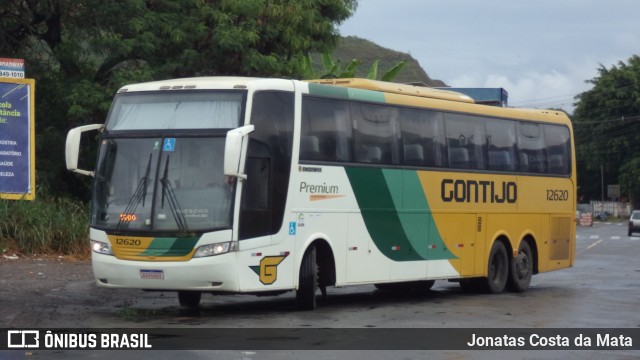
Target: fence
(587, 212)
(612, 208)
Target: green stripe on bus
(416, 217)
(346, 93)
(396, 214)
(379, 213)
(170, 247)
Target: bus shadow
(350, 299)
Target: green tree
(630, 180)
(81, 51)
(607, 127)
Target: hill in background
(367, 52)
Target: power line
(622, 118)
(546, 105)
(544, 102)
(545, 99)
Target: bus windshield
(170, 184)
(160, 163)
(176, 110)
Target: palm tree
(332, 69)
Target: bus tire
(189, 299)
(521, 269)
(498, 269)
(308, 281)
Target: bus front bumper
(215, 273)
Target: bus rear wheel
(308, 281)
(498, 270)
(521, 269)
(189, 299)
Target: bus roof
(397, 93)
(402, 89)
(403, 94)
(205, 82)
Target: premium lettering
(318, 189)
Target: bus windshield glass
(176, 110)
(168, 184)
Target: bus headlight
(216, 249)
(101, 247)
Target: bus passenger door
(255, 213)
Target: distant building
(485, 96)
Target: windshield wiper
(139, 194)
(172, 200)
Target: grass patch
(47, 224)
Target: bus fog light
(216, 249)
(101, 248)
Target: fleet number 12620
(557, 195)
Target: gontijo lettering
(478, 191)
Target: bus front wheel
(308, 281)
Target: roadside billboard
(17, 139)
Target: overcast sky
(541, 51)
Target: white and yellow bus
(261, 186)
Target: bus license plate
(152, 274)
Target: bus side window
(309, 147)
(558, 149)
(524, 162)
(342, 146)
(422, 136)
(466, 139)
(414, 155)
(458, 157)
(499, 160)
(531, 145)
(328, 121)
(370, 154)
(375, 133)
(501, 144)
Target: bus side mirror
(234, 146)
(72, 147)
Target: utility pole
(602, 182)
